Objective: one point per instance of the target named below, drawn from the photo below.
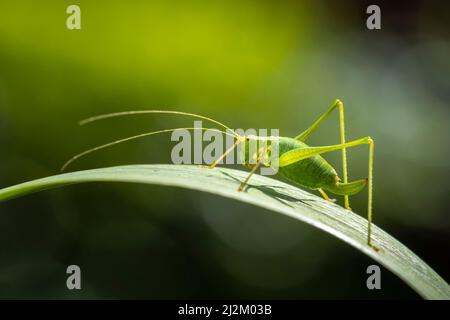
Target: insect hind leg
(307, 152)
(305, 134)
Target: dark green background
(250, 64)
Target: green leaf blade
(269, 194)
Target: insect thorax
(254, 149)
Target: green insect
(297, 161)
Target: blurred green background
(250, 64)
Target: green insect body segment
(313, 173)
(252, 148)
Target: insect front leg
(238, 141)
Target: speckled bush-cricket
(297, 161)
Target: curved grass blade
(269, 194)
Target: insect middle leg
(261, 157)
(305, 134)
(325, 196)
(244, 183)
(307, 152)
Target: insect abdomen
(313, 173)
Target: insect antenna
(127, 113)
(142, 135)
